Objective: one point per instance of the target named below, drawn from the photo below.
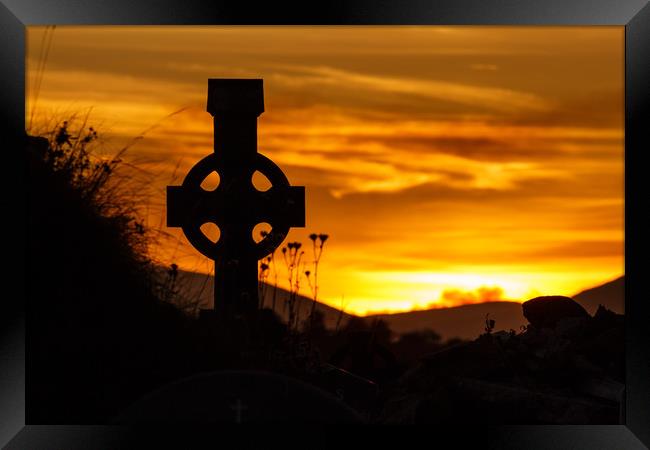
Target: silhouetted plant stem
(297, 288)
(317, 252)
(341, 309)
(275, 280)
(261, 281)
(292, 262)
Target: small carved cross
(235, 206)
(239, 407)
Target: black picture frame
(15, 15)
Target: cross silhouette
(239, 407)
(235, 206)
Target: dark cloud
(487, 149)
(579, 249)
(587, 107)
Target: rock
(604, 388)
(502, 336)
(477, 401)
(500, 403)
(38, 145)
(570, 326)
(605, 319)
(483, 357)
(565, 368)
(351, 389)
(546, 312)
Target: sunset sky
(448, 165)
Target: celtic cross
(235, 206)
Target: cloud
(472, 95)
(488, 67)
(457, 297)
(579, 249)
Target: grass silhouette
(97, 335)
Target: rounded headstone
(239, 396)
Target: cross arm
(192, 207)
(282, 206)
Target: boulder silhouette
(547, 311)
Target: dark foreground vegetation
(101, 337)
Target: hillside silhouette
(96, 335)
(100, 332)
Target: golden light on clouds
(449, 165)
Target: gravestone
(235, 206)
(239, 397)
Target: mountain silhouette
(463, 322)
(611, 295)
(467, 321)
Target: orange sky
(447, 164)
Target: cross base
(236, 286)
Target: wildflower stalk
(261, 280)
(265, 269)
(275, 280)
(292, 263)
(341, 310)
(296, 290)
(318, 241)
